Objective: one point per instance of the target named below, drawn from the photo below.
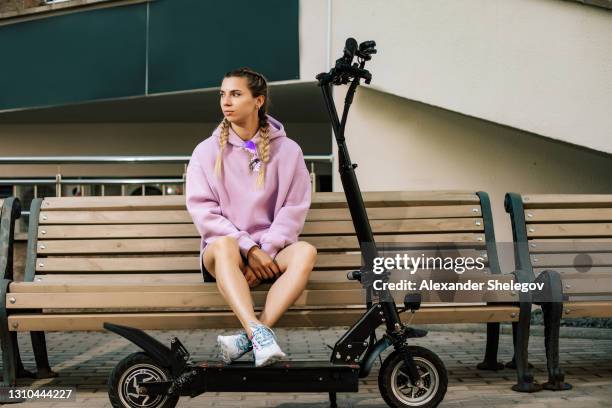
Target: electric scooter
(410, 376)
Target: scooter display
(410, 376)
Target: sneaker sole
(271, 360)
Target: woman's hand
(251, 279)
(262, 265)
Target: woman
(248, 192)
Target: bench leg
(8, 340)
(490, 360)
(525, 380)
(39, 345)
(552, 320)
(552, 309)
(512, 364)
(12, 367)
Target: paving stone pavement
(84, 360)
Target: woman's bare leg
(222, 259)
(295, 262)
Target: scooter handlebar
(345, 70)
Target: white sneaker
(233, 347)
(265, 348)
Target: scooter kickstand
(332, 400)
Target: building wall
(405, 145)
(544, 66)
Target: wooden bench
(570, 234)
(134, 261)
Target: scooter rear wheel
(122, 383)
(395, 386)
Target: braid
(263, 149)
(222, 142)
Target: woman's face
(237, 102)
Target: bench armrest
(11, 210)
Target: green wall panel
(102, 53)
(73, 57)
(194, 42)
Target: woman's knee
(223, 249)
(306, 253)
(307, 249)
(225, 246)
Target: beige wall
(405, 145)
(313, 38)
(544, 66)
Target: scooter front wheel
(123, 383)
(396, 388)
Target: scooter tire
(137, 367)
(395, 386)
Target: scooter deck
(285, 376)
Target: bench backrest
(154, 235)
(568, 233)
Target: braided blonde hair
(257, 84)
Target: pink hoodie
(233, 205)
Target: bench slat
(69, 281)
(192, 282)
(591, 285)
(571, 271)
(341, 297)
(119, 246)
(570, 245)
(587, 309)
(151, 285)
(97, 265)
(569, 230)
(566, 200)
(117, 231)
(132, 203)
(114, 217)
(310, 228)
(398, 198)
(396, 226)
(192, 245)
(184, 263)
(572, 259)
(213, 299)
(568, 214)
(324, 260)
(218, 320)
(319, 200)
(415, 241)
(326, 214)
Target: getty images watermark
(459, 265)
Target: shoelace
(263, 335)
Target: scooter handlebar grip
(353, 275)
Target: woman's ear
(259, 101)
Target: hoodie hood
(276, 130)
